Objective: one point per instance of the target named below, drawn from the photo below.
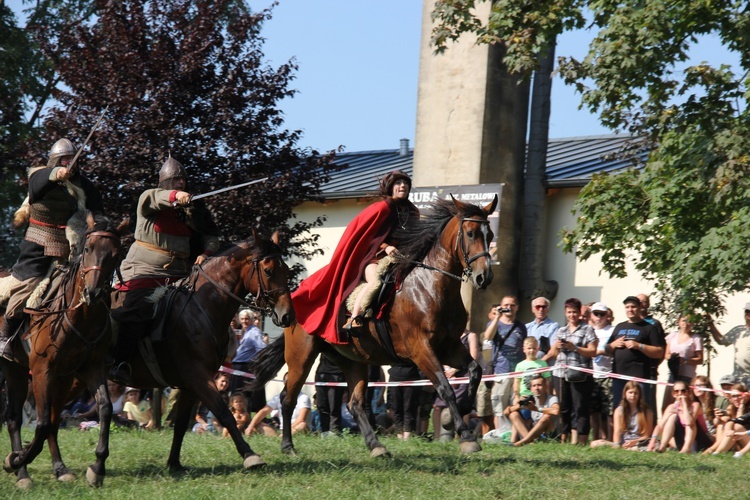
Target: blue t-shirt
(512, 351)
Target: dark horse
(426, 320)
(69, 340)
(198, 335)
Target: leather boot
(9, 327)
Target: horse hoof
(94, 479)
(67, 477)
(380, 451)
(289, 451)
(253, 462)
(24, 484)
(8, 463)
(470, 447)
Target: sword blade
(224, 190)
(93, 129)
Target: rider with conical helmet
(56, 193)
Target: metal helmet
(172, 169)
(63, 147)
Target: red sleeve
(173, 196)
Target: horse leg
(300, 351)
(17, 384)
(57, 400)
(356, 377)
(426, 360)
(95, 472)
(210, 396)
(183, 412)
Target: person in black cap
(633, 344)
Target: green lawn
(342, 468)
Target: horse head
(266, 276)
(473, 241)
(100, 255)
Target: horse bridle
(466, 274)
(264, 294)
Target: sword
(71, 167)
(223, 190)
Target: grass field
(342, 468)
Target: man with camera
(507, 335)
(534, 415)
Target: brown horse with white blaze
(425, 320)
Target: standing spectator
(684, 352)
(328, 399)
(531, 418)
(632, 345)
(542, 328)
(506, 334)
(739, 337)
(575, 346)
(655, 362)
(404, 400)
(251, 344)
(601, 400)
(522, 385)
(633, 421)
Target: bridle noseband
(467, 273)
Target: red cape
(319, 297)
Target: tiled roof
(570, 162)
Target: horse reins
(459, 237)
(263, 293)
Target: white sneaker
(738, 454)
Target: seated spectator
(704, 394)
(632, 421)
(205, 421)
(735, 430)
(535, 415)
(682, 421)
(684, 352)
(238, 407)
(135, 409)
(724, 411)
(299, 416)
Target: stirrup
(354, 323)
(121, 372)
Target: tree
(186, 78)
(682, 215)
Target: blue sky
(358, 68)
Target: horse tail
(267, 364)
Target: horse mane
(419, 237)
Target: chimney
(403, 150)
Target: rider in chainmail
(172, 233)
(56, 193)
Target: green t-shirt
(526, 365)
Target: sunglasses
(544, 306)
(599, 313)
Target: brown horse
(425, 322)
(68, 341)
(199, 335)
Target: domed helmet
(62, 147)
(171, 170)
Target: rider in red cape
(318, 299)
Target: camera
(526, 401)
(502, 310)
